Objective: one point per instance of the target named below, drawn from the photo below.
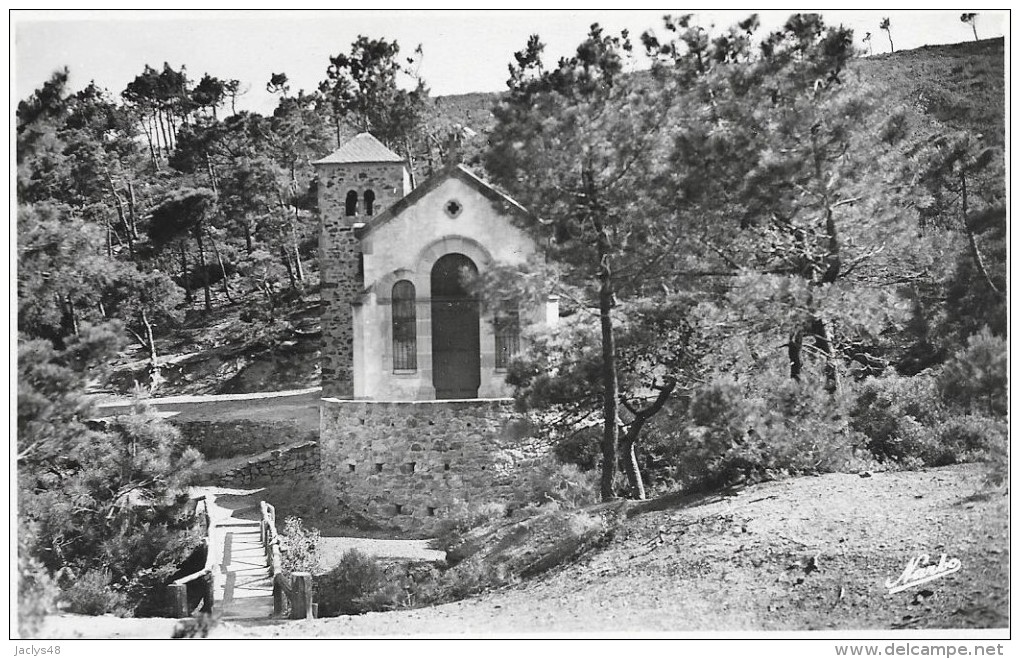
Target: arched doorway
(456, 351)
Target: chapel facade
(398, 321)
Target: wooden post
(279, 597)
(179, 600)
(207, 583)
(301, 601)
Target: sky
(464, 50)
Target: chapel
(398, 321)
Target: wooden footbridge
(243, 576)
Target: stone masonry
(227, 439)
(408, 463)
(273, 466)
(340, 256)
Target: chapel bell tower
(357, 181)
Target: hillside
(811, 553)
(959, 85)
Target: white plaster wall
(407, 247)
(397, 244)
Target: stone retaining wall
(409, 464)
(228, 439)
(276, 465)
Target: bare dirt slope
(810, 553)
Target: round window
(453, 208)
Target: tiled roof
(361, 148)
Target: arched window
(405, 334)
(369, 202)
(508, 337)
(351, 207)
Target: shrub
(468, 578)
(976, 379)
(565, 484)
(299, 544)
(896, 417)
(580, 447)
(36, 591)
(790, 427)
(972, 437)
(463, 517)
(997, 459)
(92, 595)
(348, 588)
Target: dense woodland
(775, 257)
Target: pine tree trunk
(132, 213)
(148, 138)
(185, 280)
(162, 130)
(297, 247)
(247, 236)
(150, 346)
(610, 383)
(202, 265)
(972, 240)
(72, 315)
(211, 172)
(155, 132)
(794, 351)
(628, 448)
(171, 128)
(285, 257)
(223, 270)
(823, 342)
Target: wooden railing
(179, 588)
(294, 589)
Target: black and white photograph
(466, 324)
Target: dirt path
(330, 550)
(810, 553)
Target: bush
(790, 428)
(976, 379)
(463, 517)
(351, 587)
(466, 579)
(971, 437)
(92, 595)
(896, 417)
(299, 544)
(580, 447)
(36, 591)
(565, 484)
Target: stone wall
(409, 464)
(271, 467)
(340, 258)
(228, 439)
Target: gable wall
(406, 247)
